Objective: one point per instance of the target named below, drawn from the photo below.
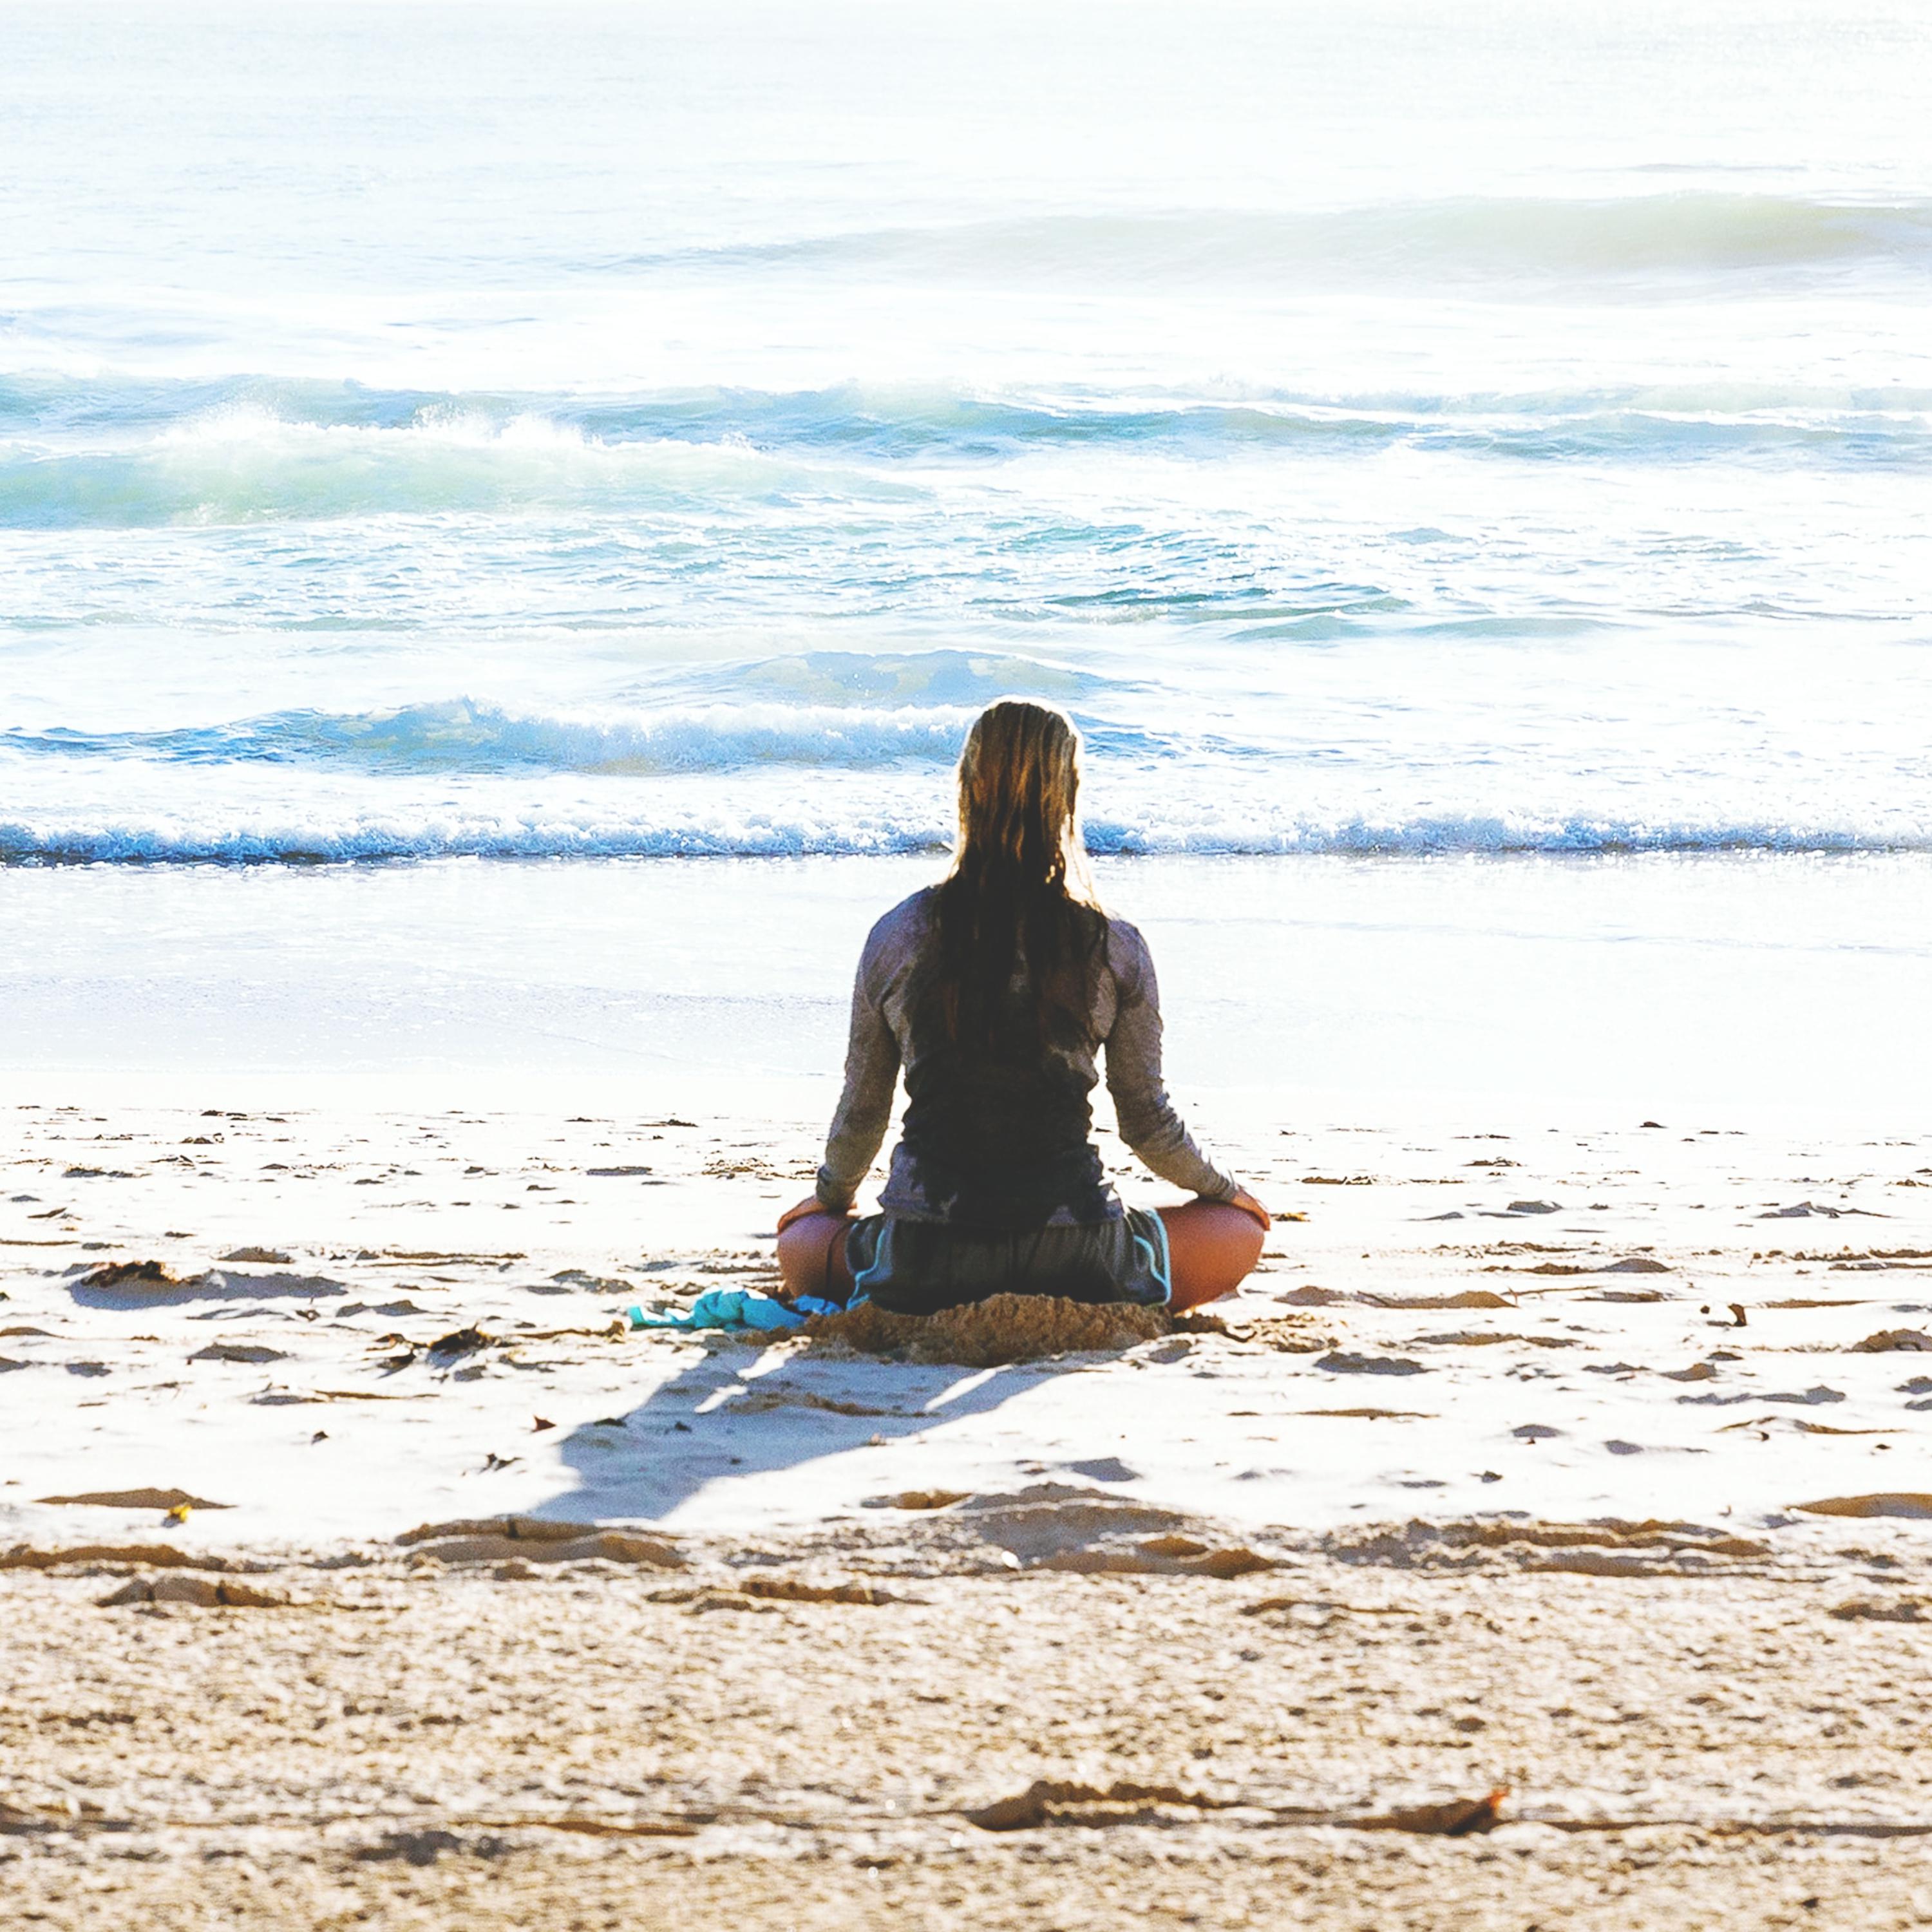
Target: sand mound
(1093, 1533)
(108, 1555)
(1906, 1503)
(1290, 1333)
(1003, 1328)
(125, 1274)
(1610, 1548)
(535, 1540)
(1056, 1801)
(141, 1285)
(1911, 1341)
(202, 1590)
(790, 1590)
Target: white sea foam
(708, 832)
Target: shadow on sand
(727, 1417)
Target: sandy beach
(511, 518)
(1577, 1464)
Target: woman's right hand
(1247, 1203)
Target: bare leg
(1211, 1247)
(811, 1257)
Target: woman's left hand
(1246, 1202)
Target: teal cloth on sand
(737, 1308)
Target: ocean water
(434, 433)
(653, 430)
(1768, 990)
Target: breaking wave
(457, 737)
(715, 833)
(244, 464)
(108, 453)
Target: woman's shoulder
(900, 930)
(1127, 954)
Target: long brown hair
(1019, 881)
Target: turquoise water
(611, 431)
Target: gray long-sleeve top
(1124, 1018)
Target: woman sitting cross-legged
(997, 991)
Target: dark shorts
(917, 1268)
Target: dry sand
(1497, 1480)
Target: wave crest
(375, 837)
(456, 736)
(244, 464)
(1456, 238)
(110, 453)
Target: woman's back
(998, 1125)
(997, 992)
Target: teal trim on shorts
(862, 1278)
(1159, 1265)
